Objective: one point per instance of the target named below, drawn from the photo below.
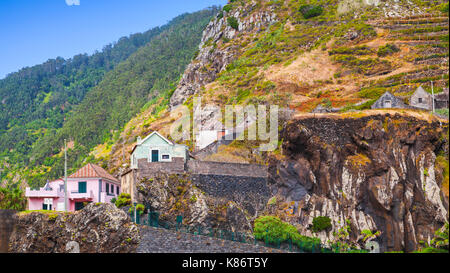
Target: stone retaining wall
(228, 169)
(158, 240)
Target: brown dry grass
(308, 68)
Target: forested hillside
(86, 98)
(37, 98)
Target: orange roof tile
(94, 171)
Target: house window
(387, 104)
(107, 188)
(420, 100)
(117, 190)
(82, 188)
(165, 157)
(48, 203)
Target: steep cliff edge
(374, 172)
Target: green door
(79, 205)
(155, 155)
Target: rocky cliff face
(98, 228)
(214, 55)
(375, 172)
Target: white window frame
(166, 160)
(150, 158)
(49, 203)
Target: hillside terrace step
(409, 26)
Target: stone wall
(157, 240)
(7, 222)
(229, 186)
(219, 179)
(226, 169)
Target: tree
(12, 197)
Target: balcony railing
(41, 193)
(82, 195)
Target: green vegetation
(321, 223)
(368, 234)
(439, 244)
(139, 208)
(123, 200)
(357, 50)
(366, 66)
(274, 231)
(310, 11)
(233, 22)
(12, 197)
(387, 49)
(227, 8)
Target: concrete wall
(7, 222)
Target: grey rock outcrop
(374, 173)
(211, 59)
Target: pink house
(89, 184)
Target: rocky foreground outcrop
(376, 172)
(98, 228)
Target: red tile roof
(93, 171)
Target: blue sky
(33, 31)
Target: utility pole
(66, 205)
(432, 95)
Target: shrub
(444, 7)
(321, 223)
(123, 200)
(12, 197)
(309, 11)
(139, 208)
(273, 230)
(387, 49)
(233, 22)
(357, 50)
(227, 8)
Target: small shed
(387, 100)
(441, 100)
(421, 99)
